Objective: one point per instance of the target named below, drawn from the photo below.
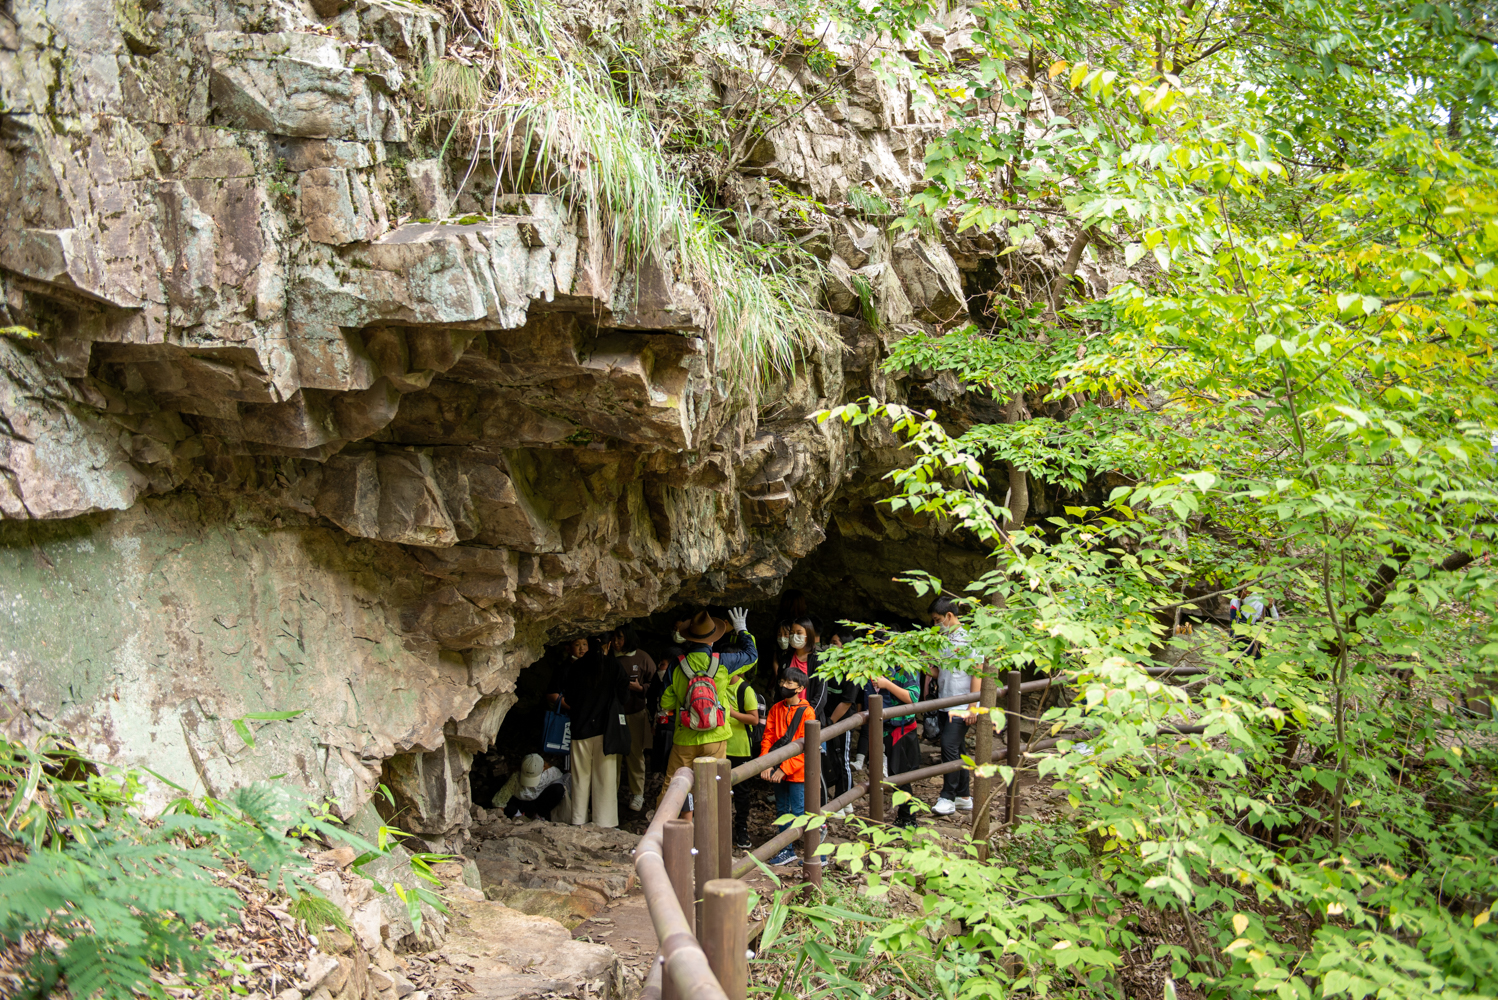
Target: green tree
(1297, 390)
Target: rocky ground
(535, 909)
(583, 877)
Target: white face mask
(798, 641)
(949, 629)
(632, 652)
(785, 641)
(678, 638)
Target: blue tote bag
(556, 733)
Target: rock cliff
(293, 420)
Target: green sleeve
(911, 682)
(669, 697)
(751, 700)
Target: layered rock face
(280, 444)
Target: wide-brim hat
(704, 628)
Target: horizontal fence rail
(686, 868)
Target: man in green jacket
(692, 738)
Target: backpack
(701, 709)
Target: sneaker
(858, 763)
(742, 842)
(785, 857)
(965, 803)
(637, 802)
(945, 807)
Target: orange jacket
(776, 723)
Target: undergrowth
(1201, 863)
(95, 899)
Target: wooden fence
(692, 886)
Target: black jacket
(593, 683)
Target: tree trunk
(1019, 479)
(1069, 268)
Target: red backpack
(701, 709)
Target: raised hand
(739, 618)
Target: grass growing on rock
(547, 114)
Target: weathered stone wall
(281, 445)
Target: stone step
(504, 954)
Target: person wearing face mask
(951, 681)
(641, 669)
(697, 694)
(801, 653)
(787, 723)
(823, 695)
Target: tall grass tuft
(453, 86)
(551, 116)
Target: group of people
(705, 697)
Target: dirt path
(623, 923)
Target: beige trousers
(595, 778)
(639, 740)
(683, 755)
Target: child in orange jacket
(786, 723)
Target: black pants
(903, 755)
(741, 804)
(660, 749)
(837, 770)
(953, 733)
(541, 805)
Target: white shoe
(637, 802)
(965, 803)
(858, 763)
(944, 807)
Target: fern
(125, 896)
(123, 900)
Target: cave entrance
(547, 866)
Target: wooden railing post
(811, 862)
(876, 758)
(676, 846)
(725, 934)
(988, 693)
(1011, 726)
(705, 837)
(725, 818)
